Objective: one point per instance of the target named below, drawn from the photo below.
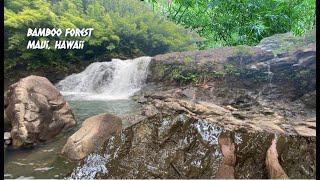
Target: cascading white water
(118, 79)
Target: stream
(103, 87)
(45, 161)
(174, 146)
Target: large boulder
(282, 63)
(37, 111)
(282, 43)
(94, 131)
(177, 146)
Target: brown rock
(37, 111)
(180, 147)
(94, 131)
(204, 108)
(149, 111)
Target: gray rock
(189, 92)
(309, 99)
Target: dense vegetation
(238, 22)
(129, 28)
(122, 28)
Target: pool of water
(45, 161)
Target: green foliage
(122, 28)
(183, 75)
(188, 60)
(218, 74)
(235, 22)
(142, 31)
(186, 72)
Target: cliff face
(292, 73)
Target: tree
(234, 22)
(121, 29)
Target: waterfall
(270, 74)
(118, 79)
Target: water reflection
(45, 161)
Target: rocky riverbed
(252, 94)
(190, 99)
(177, 146)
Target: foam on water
(118, 79)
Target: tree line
(238, 22)
(122, 29)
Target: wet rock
(163, 67)
(149, 111)
(179, 136)
(282, 62)
(309, 99)
(310, 123)
(250, 117)
(37, 111)
(161, 150)
(270, 126)
(244, 101)
(179, 146)
(294, 72)
(93, 132)
(192, 107)
(206, 108)
(240, 115)
(297, 156)
(305, 130)
(251, 154)
(142, 100)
